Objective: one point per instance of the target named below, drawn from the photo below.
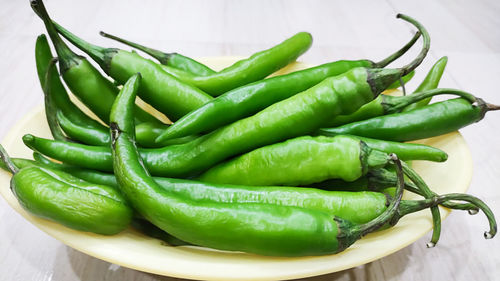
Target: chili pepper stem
(425, 48)
(398, 53)
(492, 107)
(393, 209)
(420, 183)
(159, 55)
(67, 57)
(382, 178)
(99, 54)
(396, 104)
(7, 161)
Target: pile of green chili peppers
(300, 164)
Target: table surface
(465, 31)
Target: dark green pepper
(431, 81)
(424, 122)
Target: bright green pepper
(83, 79)
(250, 99)
(68, 200)
(424, 122)
(299, 161)
(174, 60)
(245, 71)
(431, 81)
(257, 228)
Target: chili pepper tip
(431, 245)
(487, 235)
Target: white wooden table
(466, 31)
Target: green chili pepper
(356, 207)
(68, 200)
(174, 60)
(407, 151)
(306, 160)
(431, 81)
(425, 122)
(146, 133)
(257, 228)
(381, 180)
(247, 100)
(299, 161)
(379, 107)
(89, 135)
(51, 106)
(95, 91)
(298, 115)
(385, 104)
(46, 69)
(245, 71)
(163, 91)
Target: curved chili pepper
(321, 158)
(431, 81)
(174, 60)
(68, 200)
(181, 217)
(247, 100)
(95, 91)
(425, 122)
(254, 68)
(298, 115)
(163, 91)
(386, 104)
(377, 107)
(58, 94)
(236, 227)
(51, 106)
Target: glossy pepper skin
(300, 161)
(174, 60)
(295, 116)
(256, 67)
(357, 207)
(43, 57)
(255, 228)
(247, 100)
(406, 151)
(164, 92)
(425, 122)
(61, 197)
(431, 81)
(378, 106)
(83, 79)
(146, 133)
(386, 104)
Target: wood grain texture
(465, 31)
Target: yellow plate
(133, 250)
